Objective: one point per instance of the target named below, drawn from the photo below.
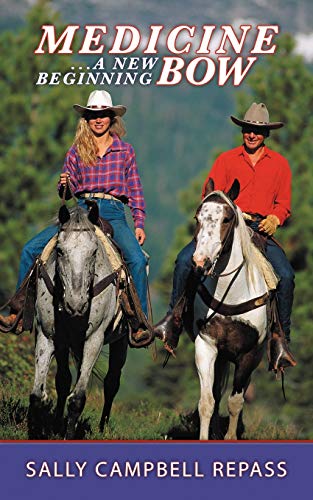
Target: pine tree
(36, 129)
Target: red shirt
(265, 188)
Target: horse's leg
(205, 356)
(235, 405)
(221, 370)
(243, 371)
(240, 424)
(63, 380)
(43, 354)
(111, 383)
(77, 398)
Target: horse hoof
(70, 432)
(230, 437)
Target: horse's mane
(249, 250)
(78, 220)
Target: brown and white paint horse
(225, 253)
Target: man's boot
(168, 330)
(278, 353)
(171, 326)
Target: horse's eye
(226, 219)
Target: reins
(98, 287)
(211, 271)
(65, 188)
(95, 290)
(221, 302)
(219, 306)
(225, 241)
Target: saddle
(105, 227)
(23, 301)
(278, 353)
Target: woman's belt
(103, 196)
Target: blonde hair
(85, 141)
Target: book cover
(181, 70)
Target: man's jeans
(277, 258)
(114, 212)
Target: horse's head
(76, 256)
(216, 218)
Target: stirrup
(141, 338)
(15, 326)
(278, 354)
(168, 330)
(7, 321)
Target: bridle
(114, 277)
(219, 306)
(210, 269)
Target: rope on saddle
(154, 354)
(128, 296)
(133, 311)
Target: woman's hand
(64, 179)
(140, 235)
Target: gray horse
(71, 316)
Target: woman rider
(100, 166)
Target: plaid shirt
(116, 173)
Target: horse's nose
(69, 309)
(76, 305)
(208, 264)
(203, 263)
(78, 312)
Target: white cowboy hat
(99, 100)
(257, 115)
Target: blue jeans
(277, 258)
(114, 212)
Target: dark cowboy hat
(258, 116)
(98, 101)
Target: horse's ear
(64, 214)
(93, 214)
(234, 190)
(209, 188)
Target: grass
(135, 420)
(138, 419)
(259, 426)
